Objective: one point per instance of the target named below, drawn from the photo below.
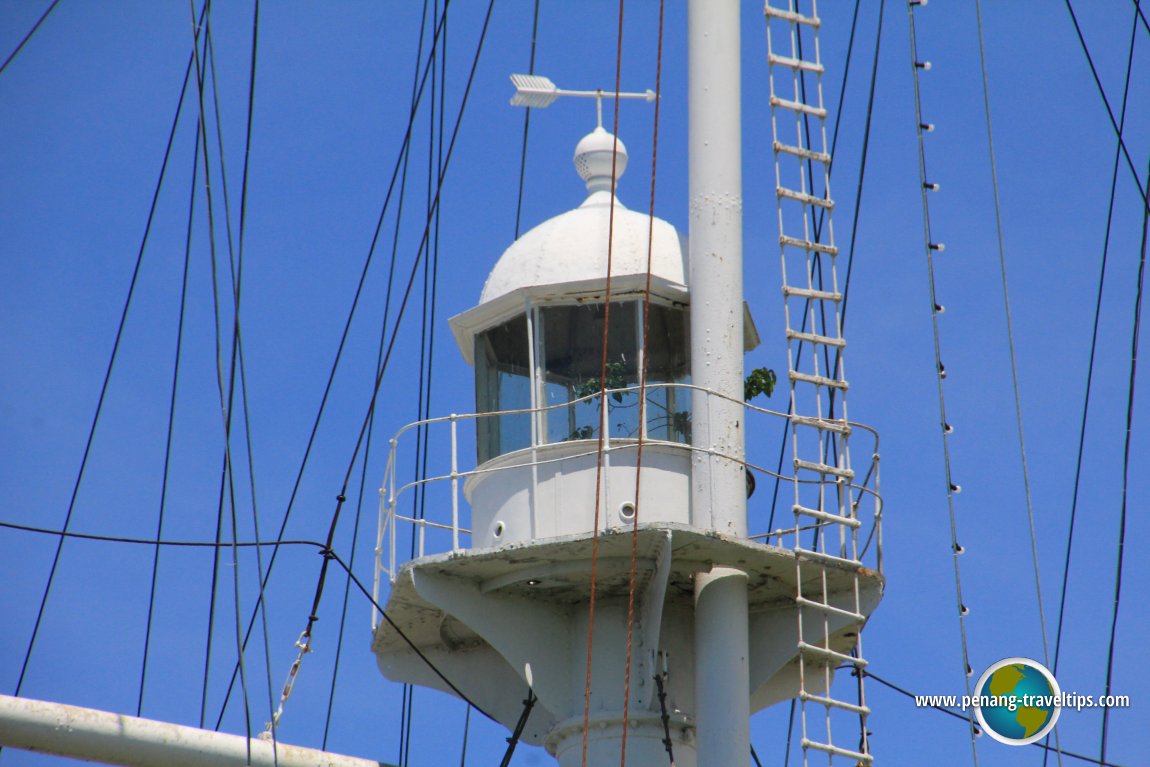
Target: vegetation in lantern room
(759, 381)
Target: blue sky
(84, 114)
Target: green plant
(759, 381)
(615, 379)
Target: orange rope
(642, 393)
(603, 389)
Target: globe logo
(1017, 701)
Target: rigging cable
(1010, 344)
(643, 401)
(1139, 15)
(171, 421)
(239, 346)
(930, 248)
(237, 350)
(335, 365)
(227, 474)
(526, 122)
(1093, 348)
(28, 36)
(328, 553)
(1142, 189)
(513, 741)
(321, 547)
(603, 425)
(407, 700)
(1125, 477)
(107, 378)
(437, 59)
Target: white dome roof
(572, 247)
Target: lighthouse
(511, 612)
(595, 586)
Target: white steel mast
(716, 280)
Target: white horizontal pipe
(101, 736)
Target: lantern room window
(503, 382)
(564, 345)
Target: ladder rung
(826, 517)
(853, 616)
(797, 18)
(829, 559)
(816, 247)
(831, 702)
(817, 295)
(787, 61)
(834, 655)
(827, 748)
(804, 198)
(798, 106)
(824, 468)
(815, 338)
(803, 152)
(824, 424)
(833, 383)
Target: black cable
(862, 165)
(1125, 476)
(1093, 350)
(466, 732)
(153, 541)
(526, 123)
(171, 421)
(436, 113)
(1142, 16)
(240, 353)
(407, 694)
(513, 741)
(227, 475)
(335, 364)
(107, 378)
(28, 36)
(951, 712)
(322, 548)
(342, 496)
(1109, 111)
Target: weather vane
(538, 92)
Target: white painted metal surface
(100, 736)
(722, 667)
(716, 262)
(718, 484)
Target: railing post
(391, 509)
(454, 483)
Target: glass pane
(573, 367)
(503, 382)
(668, 362)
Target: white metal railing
(439, 520)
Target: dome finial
(595, 154)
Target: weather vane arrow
(538, 92)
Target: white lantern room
(536, 342)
